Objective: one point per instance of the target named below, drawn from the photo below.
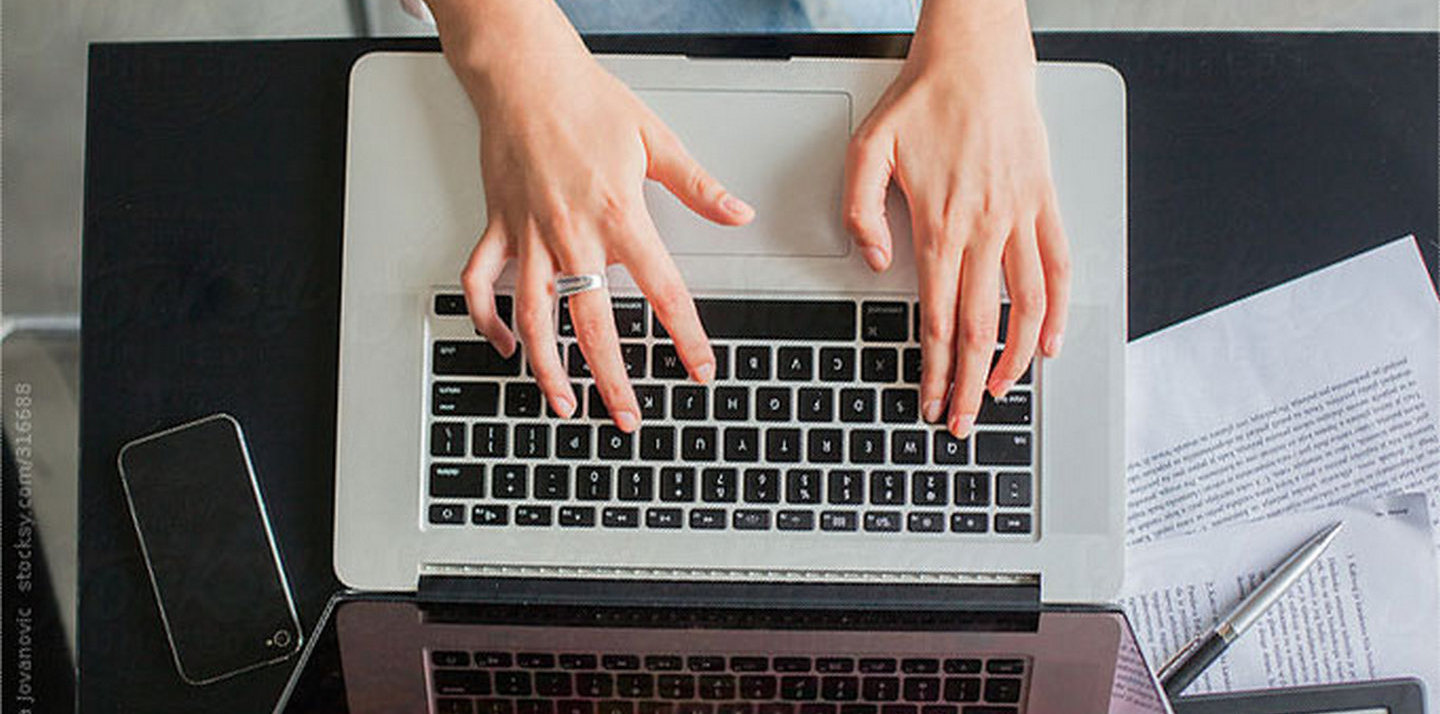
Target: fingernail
(1052, 347)
(704, 373)
(875, 257)
(960, 425)
(1001, 388)
(736, 206)
(932, 410)
(564, 406)
(627, 421)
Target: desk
(213, 213)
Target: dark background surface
(213, 212)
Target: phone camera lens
(281, 638)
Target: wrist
(489, 42)
(991, 34)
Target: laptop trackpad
(781, 151)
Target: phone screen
(224, 602)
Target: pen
(1192, 659)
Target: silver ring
(567, 285)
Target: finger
(654, 271)
(534, 305)
(478, 278)
(682, 175)
(979, 319)
(1025, 282)
(939, 278)
(869, 163)
(1055, 261)
(594, 321)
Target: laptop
(803, 470)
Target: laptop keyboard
(811, 425)
(587, 683)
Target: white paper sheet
(1366, 609)
(1314, 393)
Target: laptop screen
(395, 656)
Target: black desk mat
(213, 210)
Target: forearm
(486, 41)
(987, 30)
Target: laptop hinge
(621, 592)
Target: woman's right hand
(565, 150)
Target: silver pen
(1191, 661)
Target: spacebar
(777, 319)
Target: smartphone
(224, 602)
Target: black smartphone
(224, 602)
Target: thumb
(683, 176)
(868, 166)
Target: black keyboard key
(962, 689)
(574, 706)
(1013, 408)
(825, 446)
(722, 361)
(752, 363)
(795, 520)
(446, 658)
(840, 688)
(716, 686)
(572, 441)
(838, 521)
(879, 364)
(474, 359)
(677, 484)
(534, 706)
(887, 488)
(447, 513)
(579, 661)
(597, 409)
(489, 440)
(522, 399)
(688, 402)
(800, 320)
(493, 660)
(447, 438)
(918, 665)
(772, 404)
(732, 403)
(615, 707)
(698, 443)
(802, 486)
(623, 662)
(450, 304)
(929, 488)
(874, 665)
(657, 443)
(629, 316)
(611, 444)
(664, 663)
(635, 686)
(457, 481)
(532, 515)
(592, 483)
(1012, 523)
(632, 355)
(925, 522)
(800, 688)
(620, 517)
(795, 364)
(1005, 666)
(884, 321)
(949, 450)
(962, 666)
(744, 519)
(513, 684)
(857, 406)
(706, 663)
(718, 485)
(911, 367)
(488, 515)
(837, 364)
(508, 481)
(968, 523)
(1002, 448)
(1012, 488)
(707, 519)
(564, 326)
(535, 660)
(675, 686)
(782, 445)
(475, 682)
(465, 399)
(882, 521)
(445, 705)
(755, 686)
(635, 483)
(577, 516)
(791, 664)
(575, 362)
(553, 684)
(662, 518)
(742, 444)
(899, 406)
(845, 487)
(750, 664)
(594, 684)
(762, 486)
(972, 488)
(532, 441)
(880, 689)
(867, 446)
(834, 665)
(494, 706)
(666, 364)
(1002, 690)
(815, 404)
(908, 447)
(652, 400)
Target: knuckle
(614, 212)
(1029, 300)
(858, 220)
(977, 333)
(1059, 267)
(935, 329)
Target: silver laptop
(804, 462)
